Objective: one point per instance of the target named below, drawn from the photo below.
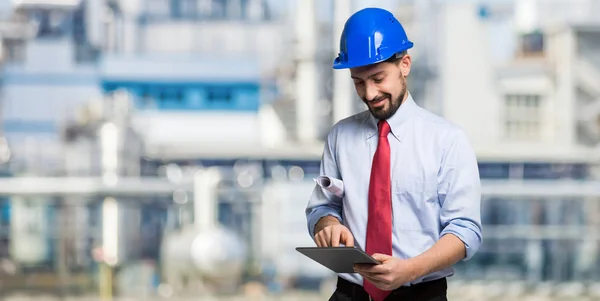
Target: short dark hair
(395, 59)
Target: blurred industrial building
(167, 147)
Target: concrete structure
(207, 88)
(536, 101)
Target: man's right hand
(331, 233)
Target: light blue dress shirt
(436, 188)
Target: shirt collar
(406, 111)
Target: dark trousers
(427, 291)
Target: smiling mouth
(377, 102)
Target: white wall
(210, 130)
(45, 102)
(49, 86)
(563, 58)
(266, 41)
(182, 67)
(470, 98)
(40, 95)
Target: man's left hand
(389, 275)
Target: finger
(347, 238)
(320, 238)
(370, 278)
(363, 266)
(374, 269)
(381, 282)
(327, 237)
(375, 281)
(374, 273)
(335, 237)
(381, 257)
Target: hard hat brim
(348, 65)
(365, 62)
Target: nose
(371, 91)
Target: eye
(378, 80)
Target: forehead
(370, 70)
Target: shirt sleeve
(460, 193)
(323, 203)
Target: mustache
(378, 98)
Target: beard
(393, 104)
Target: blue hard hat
(370, 36)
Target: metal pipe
(206, 198)
(306, 72)
(342, 86)
(110, 231)
(110, 246)
(133, 186)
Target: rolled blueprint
(333, 185)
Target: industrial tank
(212, 259)
(203, 255)
(30, 239)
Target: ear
(405, 64)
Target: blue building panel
(232, 96)
(187, 83)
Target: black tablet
(338, 259)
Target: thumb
(381, 257)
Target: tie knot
(384, 128)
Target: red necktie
(379, 225)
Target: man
(412, 188)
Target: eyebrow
(370, 76)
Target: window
(523, 117)
(156, 8)
(188, 9)
(532, 44)
(555, 171)
(219, 95)
(489, 170)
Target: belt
(421, 291)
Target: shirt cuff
(468, 233)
